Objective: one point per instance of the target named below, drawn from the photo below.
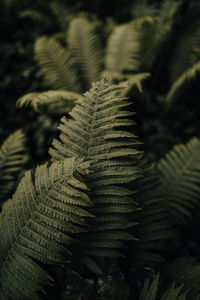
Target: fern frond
(185, 78)
(146, 28)
(122, 52)
(85, 49)
(38, 225)
(13, 157)
(150, 292)
(186, 53)
(93, 132)
(56, 65)
(184, 270)
(180, 173)
(57, 102)
(154, 229)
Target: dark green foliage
(150, 292)
(184, 270)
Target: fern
(57, 102)
(187, 76)
(154, 229)
(186, 53)
(56, 64)
(97, 131)
(13, 157)
(135, 80)
(150, 292)
(180, 171)
(184, 270)
(122, 52)
(84, 46)
(46, 211)
(185, 63)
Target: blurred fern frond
(184, 270)
(13, 158)
(180, 175)
(56, 64)
(181, 82)
(154, 228)
(85, 48)
(122, 52)
(99, 131)
(185, 63)
(57, 102)
(38, 225)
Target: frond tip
(39, 224)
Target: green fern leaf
(122, 53)
(180, 171)
(85, 49)
(57, 102)
(93, 133)
(56, 65)
(13, 157)
(38, 225)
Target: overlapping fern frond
(85, 49)
(57, 102)
(122, 52)
(56, 64)
(180, 175)
(150, 292)
(99, 131)
(154, 229)
(38, 226)
(13, 157)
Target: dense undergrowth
(100, 152)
